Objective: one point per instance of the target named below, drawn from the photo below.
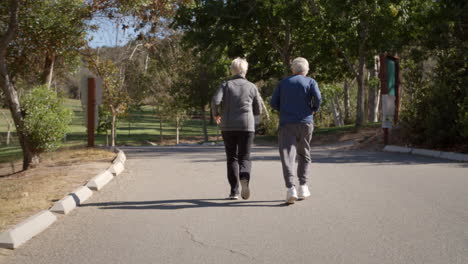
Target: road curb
(34, 225)
(100, 180)
(81, 194)
(120, 156)
(24, 231)
(428, 153)
(391, 148)
(64, 206)
(117, 168)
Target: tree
(265, 32)
(361, 30)
(9, 91)
(435, 75)
(50, 34)
(114, 95)
(199, 81)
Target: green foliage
(325, 116)
(435, 103)
(46, 119)
(105, 120)
(270, 125)
(435, 107)
(47, 29)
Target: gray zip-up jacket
(241, 101)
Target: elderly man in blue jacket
(297, 98)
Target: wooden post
(91, 110)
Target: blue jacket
(297, 98)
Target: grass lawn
(138, 128)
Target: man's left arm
(316, 95)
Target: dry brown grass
(25, 193)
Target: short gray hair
(300, 65)
(239, 66)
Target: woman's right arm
(216, 101)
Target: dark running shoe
(245, 193)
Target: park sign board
(389, 81)
(388, 110)
(389, 75)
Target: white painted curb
(100, 180)
(426, 152)
(27, 229)
(64, 206)
(454, 156)
(81, 194)
(117, 168)
(120, 157)
(390, 148)
(24, 231)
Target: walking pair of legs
(237, 145)
(294, 141)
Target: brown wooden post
(91, 110)
(383, 87)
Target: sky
(109, 34)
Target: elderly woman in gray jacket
(241, 102)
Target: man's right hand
(218, 119)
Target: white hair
(239, 66)
(300, 65)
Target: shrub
(270, 125)
(46, 119)
(435, 105)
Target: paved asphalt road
(168, 207)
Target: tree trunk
(339, 111)
(177, 130)
(363, 31)
(360, 93)
(107, 137)
(160, 125)
(8, 134)
(335, 114)
(347, 105)
(9, 91)
(205, 130)
(372, 98)
(48, 70)
(146, 62)
(114, 118)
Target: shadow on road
(184, 204)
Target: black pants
(237, 145)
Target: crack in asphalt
(192, 237)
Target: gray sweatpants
(295, 139)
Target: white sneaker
(291, 195)
(303, 192)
